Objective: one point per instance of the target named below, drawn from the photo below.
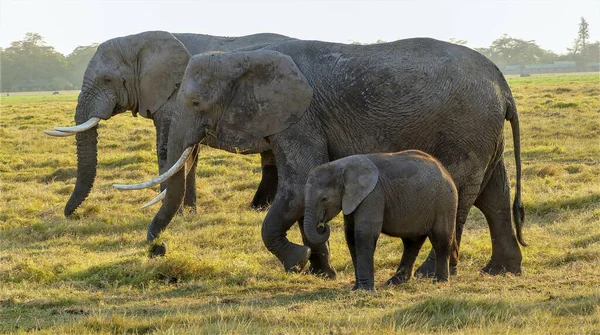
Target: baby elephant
(408, 194)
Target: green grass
(90, 274)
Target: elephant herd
(303, 104)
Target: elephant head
(252, 95)
(138, 73)
(333, 187)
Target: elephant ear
(360, 178)
(162, 59)
(269, 93)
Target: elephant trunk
(87, 158)
(91, 108)
(310, 227)
(176, 184)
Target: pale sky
(67, 24)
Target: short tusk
(158, 198)
(92, 122)
(176, 167)
(57, 133)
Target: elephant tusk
(158, 198)
(92, 122)
(57, 133)
(174, 169)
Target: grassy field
(90, 274)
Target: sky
(68, 24)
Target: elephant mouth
(322, 226)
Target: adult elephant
(315, 102)
(142, 73)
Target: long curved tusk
(93, 121)
(176, 167)
(158, 198)
(57, 133)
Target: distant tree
(513, 51)
(31, 63)
(583, 33)
(457, 41)
(77, 62)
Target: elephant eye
(195, 103)
(107, 80)
(323, 199)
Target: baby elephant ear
(268, 95)
(360, 178)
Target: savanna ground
(91, 273)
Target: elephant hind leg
(465, 202)
(407, 263)
(494, 202)
(441, 239)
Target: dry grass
(90, 274)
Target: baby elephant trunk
(311, 227)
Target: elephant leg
(465, 202)
(161, 124)
(494, 202)
(412, 246)
(281, 216)
(189, 200)
(441, 243)
(268, 184)
(349, 235)
(319, 256)
(366, 241)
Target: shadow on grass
(149, 316)
(441, 314)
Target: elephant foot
(397, 279)
(427, 269)
(496, 267)
(440, 279)
(327, 272)
(259, 206)
(297, 258)
(190, 208)
(363, 287)
(261, 201)
(157, 250)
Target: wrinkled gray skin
(142, 73)
(407, 194)
(316, 102)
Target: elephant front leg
(349, 235)
(279, 219)
(189, 201)
(320, 264)
(365, 241)
(368, 222)
(268, 184)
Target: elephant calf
(408, 194)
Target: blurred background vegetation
(32, 65)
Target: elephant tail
(518, 210)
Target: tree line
(513, 51)
(32, 65)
